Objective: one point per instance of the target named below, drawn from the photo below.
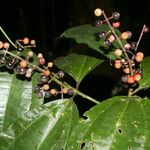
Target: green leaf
(77, 66)
(145, 82)
(87, 34)
(16, 98)
(119, 123)
(46, 128)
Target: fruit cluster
(128, 58)
(22, 65)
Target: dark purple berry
(9, 65)
(60, 74)
(17, 70)
(133, 45)
(44, 78)
(39, 95)
(116, 15)
(102, 35)
(98, 23)
(3, 59)
(107, 42)
(39, 81)
(70, 92)
(23, 71)
(37, 88)
(47, 94)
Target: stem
(53, 76)
(120, 43)
(140, 37)
(4, 33)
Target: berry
(118, 64)
(32, 42)
(1, 44)
(40, 55)
(17, 70)
(9, 65)
(50, 64)
(137, 77)
(107, 42)
(28, 74)
(98, 12)
(111, 38)
(3, 59)
(39, 81)
(26, 40)
(126, 70)
(60, 74)
(23, 63)
(46, 72)
(118, 52)
(39, 95)
(37, 88)
(116, 24)
(127, 46)
(70, 92)
(44, 78)
(41, 61)
(46, 87)
(98, 23)
(53, 91)
(131, 79)
(116, 15)
(124, 78)
(102, 35)
(133, 45)
(65, 90)
(146, 29)
(30, 54)
(139, 56)
(6, 45)
(23, 71)
(126, 35)
(47, 94)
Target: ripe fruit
(3, 59)
(126, 35)
(1, 44)
(47, 94)
(6, 45)
(98, 12)
(107, 42)
(118, 64)
(39, 95)
(9, 65)
(131, 79)
(32, 42)
(137, 77)
(139, 56)
(44, 78)
(37, 88)
(124, 79)
(116, 15)
(133, 45)
(70, 92)
(30, 54)
(50, 64)
(118, 52)
(26, 40)
(116, 24)
(23, 63)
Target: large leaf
(119, 123)
(16, 98)
(77, 66)
(87, 34)
(145, 82)
(46, 128)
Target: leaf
(77, 66)
(16, 98)
(46, 128)
(145, 82)
(119, 123)
(87, 34)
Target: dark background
(45, 20)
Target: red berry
(116, 24)
(146, 29)
(131, 79)
(41, 61)
(137, 77)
